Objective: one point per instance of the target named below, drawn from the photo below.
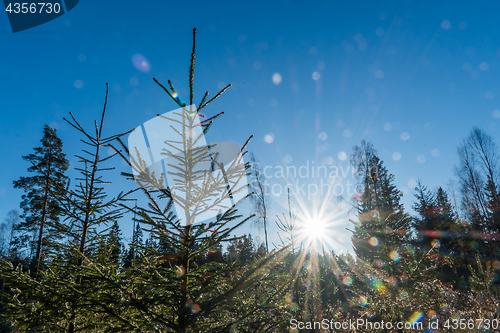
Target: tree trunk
(44, 214)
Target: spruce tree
(390, 277)
(447, 222)
(88, 209)
(493, 205)
(427, 224)
(241, 249)
(174, 288)
(73, 288)
(135, 246)
(382, 226)
(40, 207)
(168, 289)
(438, 230)
(114, 242)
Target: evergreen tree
(388, 268)
(114, 242)
(39, 205)
(383, 228)
(135, 245)
(151, 243)
(214, 255)
(241, 249)
(453, 244)
(80, 270)
(438, 230)
(493, 205)
(137, 237)
(447, 222)
(427, 225)
(178, 291)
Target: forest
(65, 266)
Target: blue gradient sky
(420, 71)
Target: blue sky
(412, 77)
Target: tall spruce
(388, 265)
(40, 207)
(382, 225)
(87, 209)
(135, 246)
(447, 222)
(114, 242)
(427, 224)
(70, 291)
(175, 288)
(438, 229)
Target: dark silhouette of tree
(48, 163)
(382, 225)
(438, 228)
(114, 242)
(241, 249)
(427, 224)
(447, 221)
(135, 245)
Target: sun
(314, 228)
(319, 228)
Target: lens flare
(363, 301)
(436, 243)
(277, 78)
(392, 280)
(404, 277)
(432, 314)
(373, 241)
(394, 256)
(195, 308)
(189, 303)
(347, 281)
(269, 138)
(314, 228)
(379, 286)
(416, 317)
(141, 63)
